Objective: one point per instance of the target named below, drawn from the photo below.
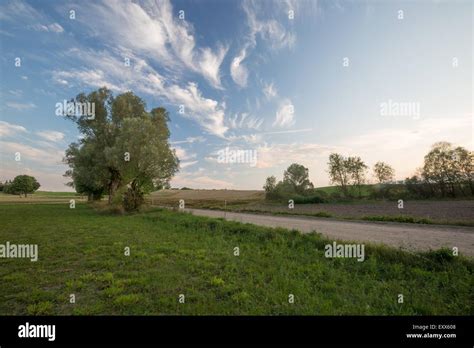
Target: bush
(417, 188)
(443, 255)
(389, 191)
(313, 199)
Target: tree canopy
(347, 171)
(21, 184)
(124, 150)
(297, 176)
(383, 172)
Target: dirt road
(408, 236)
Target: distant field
(81, 252)
(198, 198)
(439, 212)
(42, 197)
(455, 212)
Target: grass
(81, 252)
(400, 218)
(42, 197)
(322, 214)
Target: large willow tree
(124, 150)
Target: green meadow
(82, 252)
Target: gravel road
(407, 236)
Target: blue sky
(249, 78)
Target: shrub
(316, 198)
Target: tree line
(448, 171)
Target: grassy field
(81, 252)
(42, 197)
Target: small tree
(339, 173)
(298, 176)
(357, 169)
(270, 184)
(383, 172)
(24, 184)
(463, 163)
(345, 171)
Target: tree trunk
(113, 185)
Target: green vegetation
(81, 252)
(295, 186)
(124, 150)
(448, 171)
(348, 173)
(400, 218)
(21, 184)
(383, 172)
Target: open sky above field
(250, 77)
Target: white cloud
(189, 140)
(30, 153)
(238, 71)
(95, 78)
(270, 91)
(21, 106)
(285, 114)
(267, 27)
(183, 155)
(261, 24)
(21, 11)
(15, 10)
(9, 129)
(244, 120)
(50, 135)
(308, 154)
(210, 64)
(199, 181)
(207, 112)
(153, 29)
(16, 92)
(187, 164)
(54, 27)
(109, 70)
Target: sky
(282, 81)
